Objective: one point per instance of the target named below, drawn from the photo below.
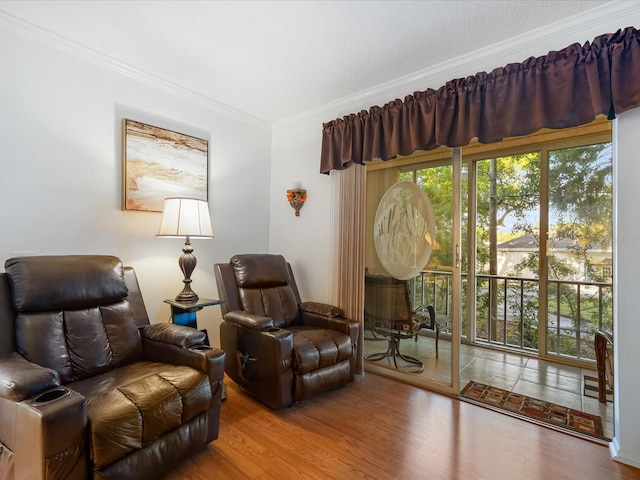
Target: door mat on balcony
(542, 412)
(591, 388)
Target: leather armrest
(209, 360)
(249, 321)
(180, 345)
(260, 362)
(51, 435)
(173, 334)
(21, 379)
(349, 327)
(322, 309)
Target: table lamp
(186, 217)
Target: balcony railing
(507, 311)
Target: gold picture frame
(158, 163)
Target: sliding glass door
(426, 355)
(520, 261)
(504, 272)
(579, 252)
(541, 278)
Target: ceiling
(277, 59)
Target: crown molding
(496, 55)
(43, 36)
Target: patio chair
(388, 314)
(603, 343)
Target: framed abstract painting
(158, 163)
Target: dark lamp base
(187, 263)
(187, 296)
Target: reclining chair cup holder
(50, 396)
(201, 348)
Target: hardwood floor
(381, 429)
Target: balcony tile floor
(541, 379)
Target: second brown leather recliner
(279, 349)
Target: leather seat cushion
(315, 348)
(130, 407)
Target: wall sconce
(296, 197)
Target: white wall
(304, 240)
(60, 187)
(308, 241)
(626, 168)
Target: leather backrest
(73, 314)
(134, 297)
(266, 287)
(227, 287)
(65, 282)
(7, 318)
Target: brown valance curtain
(562, 89)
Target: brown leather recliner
(88, 388)
(279, 349)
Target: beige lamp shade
(185, 217)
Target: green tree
(580, 197)
(437, 184)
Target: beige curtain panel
(562, 89)
(351, 235)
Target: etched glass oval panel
(404, 230)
